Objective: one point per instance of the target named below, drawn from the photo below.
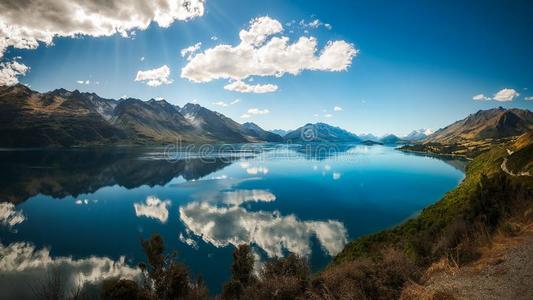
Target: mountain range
(72, 118)
(65, 118)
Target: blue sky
(419, 63)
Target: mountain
(418, 135)
(368, 137)
(280, 132)
(154, 121)
(252, 129)
(32, 119)
(103, 106)
(320, 132)
(219, 126)
(391, 139)
(73, 118)
(494, 123)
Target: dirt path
(505, 271)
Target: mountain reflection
(65, 173)
(61, 173)
(231, 224)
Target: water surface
(85, 211)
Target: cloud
(10, 71)
(214, 38)
(22, 264)
(86, 82)
(225, 104)
(9, 216)
(142, 58)
(480, 97)
(337, 108)
(189, 51)
(528, 98)
(255, 111)
(260, 29)
(242, 87)
(155, 77)
(262, 54)
(328, 115)
(234, 225)
(153, 208)
(505, 95)
(25, 24)
(316, 23)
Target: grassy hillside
(485, 198)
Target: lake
(84, 211)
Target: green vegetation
(520, 161)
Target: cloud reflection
(22, 264)
(272, 232)
(154, 208)
(9, 216)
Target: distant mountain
(64, 118)
(280, 132)
(368, 137)
(494, 123)
(320, 132)
(391, 139)
(253, 130)
(418, 135)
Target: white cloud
(255, 111)
(9, 216)
(155, 77)
(153, 208)
(24, 25)
(225, 104)
(86, 82)
(262, 54)
(328, 115)
(214, 38)
(480, 97)
(10, 71)
(242, 87)
(505, 95)
(337, 108)
(189, 51)
(142, 58)
(260, 29)
(221, 103)
(336, 175)
(528, 98)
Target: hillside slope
(494, 123)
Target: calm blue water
(84, 210)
